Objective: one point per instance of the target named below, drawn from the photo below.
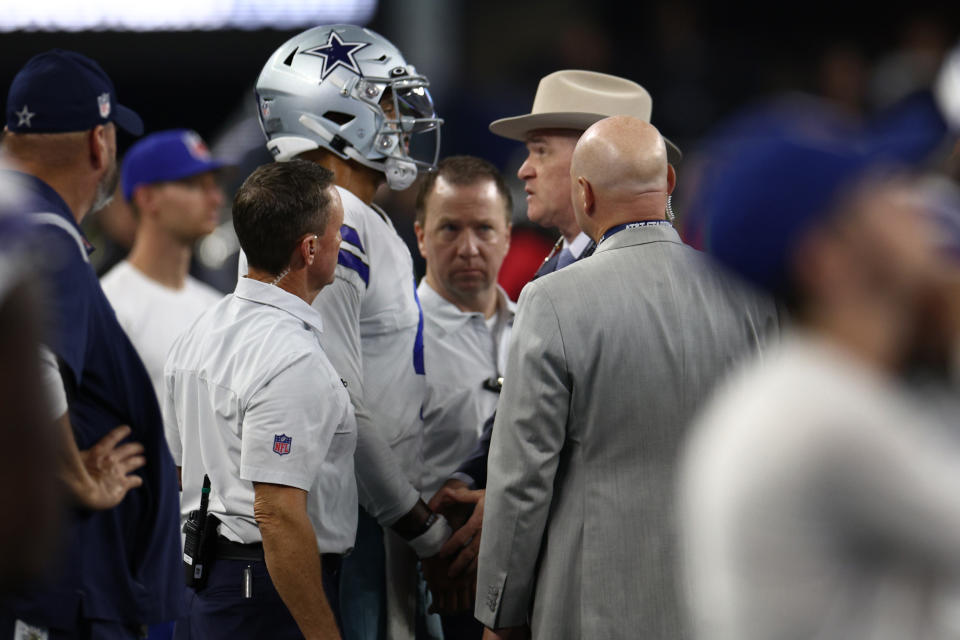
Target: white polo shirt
(250, 396)
(154, 315)
(465, 350)
(374, 339)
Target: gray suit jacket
(609, 360)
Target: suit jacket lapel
(550, 264)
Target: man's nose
(468, 243)
(525, 172)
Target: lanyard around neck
(631, 225)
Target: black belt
(229, 550)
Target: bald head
(619, 173)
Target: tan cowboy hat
(574, 99)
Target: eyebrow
(442, 218)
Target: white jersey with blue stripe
(376, 262)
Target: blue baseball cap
(781, 171)
(60, 91)
(166, 155)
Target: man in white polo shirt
(255, 405)
(169, 178)
(463, 232)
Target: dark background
(700, 61)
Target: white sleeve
(288, 426)
(52, 383)
(168, 408)
(383, 488)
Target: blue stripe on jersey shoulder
(351, 261)
(418, 367)
(349, 234)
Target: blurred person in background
(609, 360)
(819, 497)
(31, 532)
(119, 568)
(463, 229)
(170, 181)
(345, 98)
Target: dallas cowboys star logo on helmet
(337, 53)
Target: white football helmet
(349, 90)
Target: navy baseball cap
(166, 155)
(60, 91)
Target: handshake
(451, 574)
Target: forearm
(384, 490)
(73, 473)
(293, 561)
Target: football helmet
(349, 90)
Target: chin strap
(400, 174)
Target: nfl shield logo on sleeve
(281, 444)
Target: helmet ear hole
(339, 117)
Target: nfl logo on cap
(281, 444)
(196, 146)
(103, 100)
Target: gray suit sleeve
(528, 435)
(383, 488)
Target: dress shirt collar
(263, 293)
(451, 319)
(578, 245)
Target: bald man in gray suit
(609, 360)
